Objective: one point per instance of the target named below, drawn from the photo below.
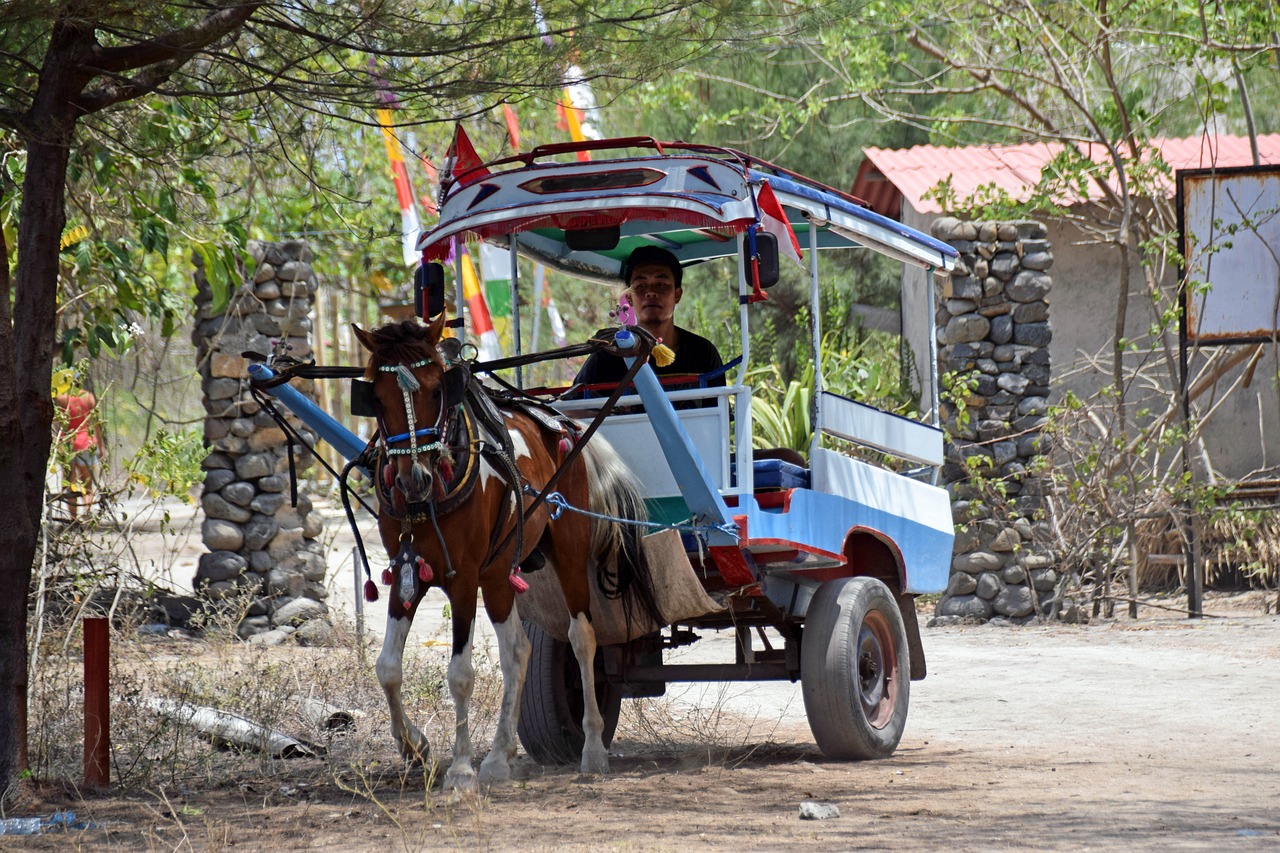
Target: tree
(77, 72)
(1101, 80)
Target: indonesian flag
(462, 165)
(409, 222)
(774, 220)
(481, 322)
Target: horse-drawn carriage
(814, 568)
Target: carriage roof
(692, 200)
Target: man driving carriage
(653, 277)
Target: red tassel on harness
(445, 470)
(388, 476)
(565, 446)
(518, 582)
(370, 591)
(387, 577)
(424, 571)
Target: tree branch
(176, 45)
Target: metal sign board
(1229, 229)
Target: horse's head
(412, 398)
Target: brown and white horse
(446, 515)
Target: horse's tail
(622, 571)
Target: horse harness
(470, 425)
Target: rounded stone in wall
(965, 328)
(1032, 334)
(966, 607)
(1037, 261)
(1033, 406)
(216, 479)
(273, 483)
(1013, 574)
(267, 503)
(221, 535)
(260, 530)
(298, 610)
(221, 388)
(1028, 286)
(977, 562)
(239, 493)
(216, 506)
(284, 543)
(989, 585)
(1004, 265)
(1031, 312)
(283, 582)
(961, 584)
(254, 465)
(220, 566)
(1001, 329)
(294, 271)
(1014, 601)
(1014, 383)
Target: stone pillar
(993, 334)
(259, 545)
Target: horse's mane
(401, 343)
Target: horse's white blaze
(582, 637)
(513, 654)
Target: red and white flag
(774, 220)
(463, 165)
(409, 223)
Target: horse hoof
(461, 781)
(595, 764)
(416, 753)
(494, 771)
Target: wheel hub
(871, 675)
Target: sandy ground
(1155, 734)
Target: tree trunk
(26, 419)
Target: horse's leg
(565, 553)
(461, 776)
(513, 655)
(582, 637)
(390, 668)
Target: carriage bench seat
(778, 474)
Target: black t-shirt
(695, 355)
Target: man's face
(653, 294)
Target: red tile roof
(887, 176)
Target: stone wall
(261, 548)
(993, 332)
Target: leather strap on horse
(645, 343)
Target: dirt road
(1160, 734)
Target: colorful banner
(410, 225)
(478, 310)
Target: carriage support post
(697, 487)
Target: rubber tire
(551, 706)
(855, 669)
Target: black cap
(651, 255)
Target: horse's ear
(435, 329)
(365, 338)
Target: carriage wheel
(855, 672)
(551, 705)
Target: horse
(450, 469)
